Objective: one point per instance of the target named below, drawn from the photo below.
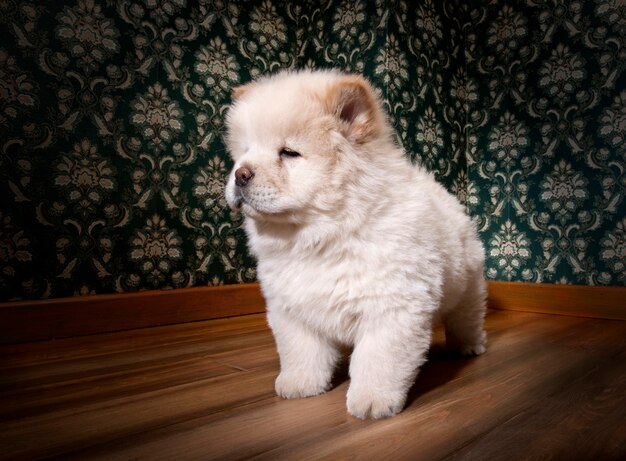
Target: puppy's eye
(286, 152)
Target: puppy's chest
(330, 292)
(314, 278)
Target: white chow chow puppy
(355, 245)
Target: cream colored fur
(355, 245)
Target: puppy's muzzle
(243, 176)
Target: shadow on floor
(441, 367)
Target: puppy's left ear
(240, 90)
(353, 101)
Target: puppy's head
(294, 138)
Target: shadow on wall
(112, 161)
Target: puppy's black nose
(243, 176)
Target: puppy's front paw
(364, 403)
(296, 386)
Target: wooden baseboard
(573, 300)
(23, 321)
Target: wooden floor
(549, 387)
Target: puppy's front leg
(307, 360)
(385, 361)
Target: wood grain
(549, 387)
(25, 321)
(22, 321)
(573, 300)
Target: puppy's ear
(240, 90)
(353, 101)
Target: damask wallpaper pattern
(547, 139)
(112, 161)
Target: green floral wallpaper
(546, 149)
(112, 162)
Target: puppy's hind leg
(307, 360)
(464, 323)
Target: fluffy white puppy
(355, 245)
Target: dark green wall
(112, 161)
(547, 145)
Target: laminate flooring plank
(48, 352)
(285, 424)
(454, 414)
(112, 384)
(233, 435)
(124, 356)
(36, 389)
(292, 424)
(67, 429)
(204, 391)
(270, 359)
(585, 419)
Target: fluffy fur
(355, 245)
